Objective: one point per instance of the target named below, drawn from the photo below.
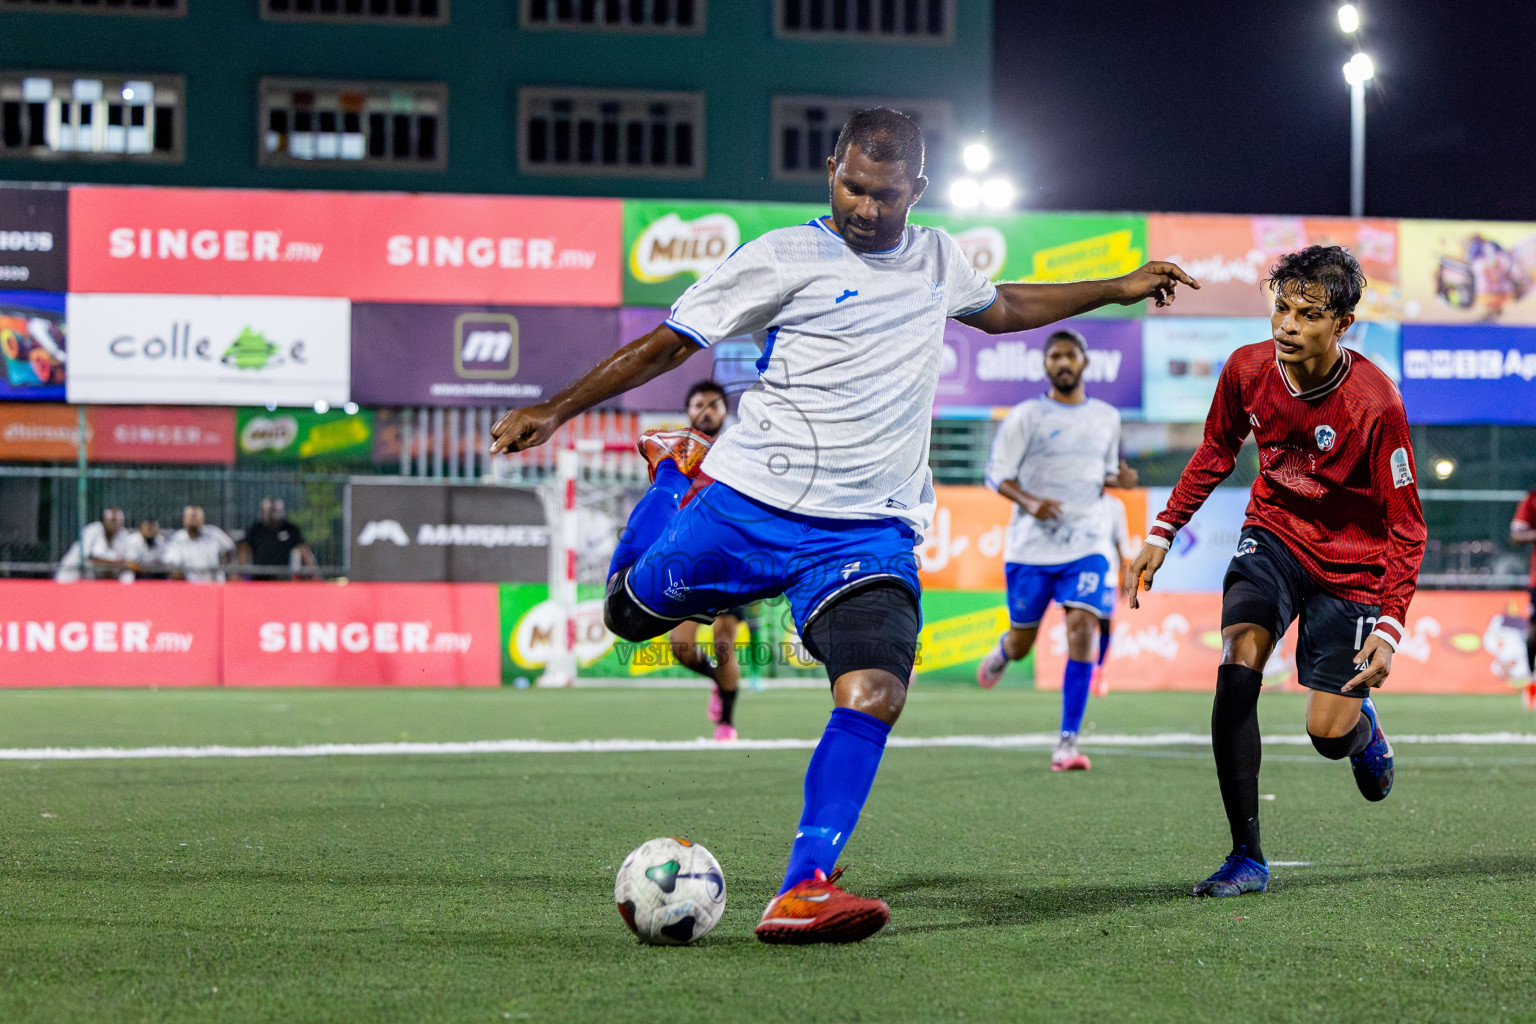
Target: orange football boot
(685, 447)
(816, 910)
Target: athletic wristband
(1390, 630)
(1158, 542)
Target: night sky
(1241, 106)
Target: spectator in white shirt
(106, 546)
(146, 546)
(197, 551)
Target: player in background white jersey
(822, 488)
(1052, 457)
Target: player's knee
(1248, 614)
(1334, 748)
(873, 691)
(1082, 627)
(627, 619)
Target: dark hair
(884, 135)
(1067, 335)
(1329, 269)
(704, 387)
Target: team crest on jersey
(1246, 546)
(1325, 436)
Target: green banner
(959, 628)
(303, 435)
(669, 245)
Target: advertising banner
(1197, 561)
(31, 432)
(473, 355)
(669, 245)
(439, 532)
(108, 634)
(303, 435)
(1472, 374)
(1468, 272)
(1183, 356)
(34, 239)
(991, 370)
(361, 634)
(208, 350)
(386, 247)
(120, 433)
(1456, 642)
(667, 392)
(32, 342)
(1231, 256)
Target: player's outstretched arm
(1143, 567)
(641, 360)
(1022, 307)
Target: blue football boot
(1373, 765)
(1238, 875)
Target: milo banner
(669, 245)
(303, 435)
(1468, 272)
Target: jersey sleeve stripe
(982, 308)
(684, 329)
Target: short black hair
(704, 387)
(1067, 335)
(884, 135)
(1329, 269)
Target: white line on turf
(1290, 863)
(1021, 741)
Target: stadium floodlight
(1349, 19)
(965, 194)
(322, 406)
(350, 408)
(977, 157)
(1444, 468)
(1360, 69)
(997, 193)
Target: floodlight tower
(969, 193)
(1357, 72)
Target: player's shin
(1236, 745)
(652, 513)
(837, 783)
(1075, 684)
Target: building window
(805, 130)
(628, 134)
(616, 15)
(166, 8)
(61, 115)
(387, 125)
(397, 12)
(918, 21)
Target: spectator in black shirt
(272, 540)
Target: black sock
(1360, 738)
(1530, 655)
(1336, 748)
(727, 706)
(1235, 742)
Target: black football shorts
(1332, 629)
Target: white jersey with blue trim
(837, 424)
(1060, 451)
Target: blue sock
(652, 514)
(1104, 635)
(1074, 694)
(836, 785)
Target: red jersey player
(1522, 530)
(1333, 537)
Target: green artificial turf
(478, 887)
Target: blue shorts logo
(1325, 436)
(1246, 546)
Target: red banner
(362, 246)
(362, 634)
(159, 433)
(108, 634)
(1456, 642)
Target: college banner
(1183, 356)
(360, 634)
(407, 354)
(1000, 370)
(303, 435)
(151, 633)
(208, 350)
(34, 238)
(32, 342)
(442, 532)
(38, 432)
(387, 247)
(1231, 256)
(193, 435)
(1468, 272)
(1471, 374)
(1455, 642)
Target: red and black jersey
(1335, 475)
(1525, 515)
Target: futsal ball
(670, 891)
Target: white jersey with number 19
(837, 425)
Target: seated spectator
(198, 551)
(106, 548)
(146, 546)
(272, 541)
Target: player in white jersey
(1052, 457)
(822, 488)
